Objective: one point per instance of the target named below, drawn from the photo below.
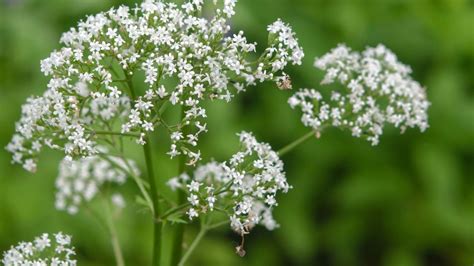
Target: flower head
(44, 250)
(376, 90)
(79, 181)
(185, 59)
(245, 186)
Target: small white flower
(192, 213)
(43, 251)
(42, 242)
(62, 239)
(193, 200)
(147, 126)
(194, 186)
(118, 200)
(174, 183)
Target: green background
(407, 202)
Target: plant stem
(130, 85)
(174, 210)
(187, 254)
(140, 185)
(156, 260)
(136, 178)
(179, 230)
(117, 250)
(216, 225)
(154, 198)
(296, 143)
(109, 226)
(113, 133)
(114, 238)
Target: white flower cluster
(377, 90)
(45, 250)
(245, 187)
(185, 59)
(62, 121)
(79, 181)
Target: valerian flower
(376, 90)
(45, 250)
(185, 59)
(79, 181)
(245, 187)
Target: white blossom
(244, 186)
(90, 87)
(118, 200)
(43, 251)
(376, 90)
(79, 181)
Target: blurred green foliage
(407, 202)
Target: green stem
(157, 229)
(141, 185)
(173, 211)
(154, 198)
(130, 85)
(137, 179)
(189, 251)
(179, 230)
(216, 225)
(113, 133)
(296, 143)
(117, 250)
(114, 238)
(108, 225)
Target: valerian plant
(184, 59)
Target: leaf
(141, 201)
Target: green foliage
(408, 201)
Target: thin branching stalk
(296, 143)
(174, 210)
(107, 224)
(117, 250)
(118, 254)
(190, 250)
(136, 178)
(218, 224)
(113, 133)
